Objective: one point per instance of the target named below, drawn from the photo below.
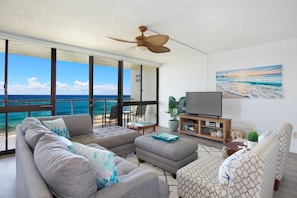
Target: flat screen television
(204, 103)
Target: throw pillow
(66, 174)
(34, 132)
(102, 163)
(27, 122)
(57, 126)
(264, 134)
(227, 166)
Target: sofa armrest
(143, 184)
(29, 183)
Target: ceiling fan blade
(156, 40)
(158, 49)
(121, 40)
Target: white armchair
(283, 134)
(253, 174)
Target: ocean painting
(258, 82)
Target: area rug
(203, 151)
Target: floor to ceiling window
(143, 91)
(42, 81)
(27, 78)
(3, 137)
(105, 91)
(72, 83)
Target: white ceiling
(209, 26)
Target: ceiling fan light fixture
(141, 48)
(152, 43)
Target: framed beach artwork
(257, 82)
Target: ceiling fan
(152, 43)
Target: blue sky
(29, 75)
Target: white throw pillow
(227, 166)
(102, 163)
(57, 126)
(264, 134)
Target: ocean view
(258, 82)
(268, 86)
(66, 105)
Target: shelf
(189, 132)
(211, 137)
(204, 125)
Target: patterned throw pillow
(227, 166)
(57, 126)
(102, 163)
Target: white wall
(260, 114)
(186, 74)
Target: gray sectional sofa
(34, 181)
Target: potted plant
(252, 139)
(174, 109)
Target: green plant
(176, 107)
(172, 108)
(253, 136)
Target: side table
(232, 147)
(142, 127)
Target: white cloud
(33, 86)
(62, 86)
(2, 87)
(81, 85)
(105, 89)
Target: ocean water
(264, 86)
(65, 105)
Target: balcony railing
(101, 110)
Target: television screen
(204, 103)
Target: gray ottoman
(168, 156)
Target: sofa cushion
(102, 164)
(57, 126)
(227, 166)
(67, 174)
(27, 122)
(78, 124)
(34, 132)
(108, 137)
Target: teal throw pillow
(57, 126)
(102, 164)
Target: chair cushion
(227, 166)
(57, 126)
(102, 164)
(67, 174)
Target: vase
(173, 125)
(219, 134)
(251, 144)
